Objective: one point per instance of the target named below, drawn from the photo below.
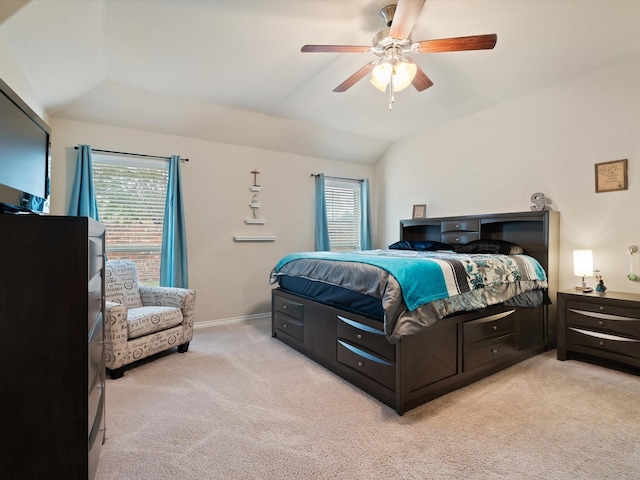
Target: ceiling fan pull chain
(391, 98)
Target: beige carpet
(241, 405)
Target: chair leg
(116, 373)
(183, 348)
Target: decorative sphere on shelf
(632, 276)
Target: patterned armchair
(142, 320)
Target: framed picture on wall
(419, 211)
(611, 176)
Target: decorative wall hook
(632, 276)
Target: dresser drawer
(376, 368)
(96, 399)
(95, 255)
(94, 301)
(495, 349)
(365, 336)
(604, 342)
(288, 325)
(604, 318)
(486, 328)
(96, 353)
(461, 226)
(459, 238)
(290, 307)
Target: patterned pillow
(121, 283)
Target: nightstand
(600, 327)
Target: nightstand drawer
(291, 308)
(486, 328)
(481, 353)
(289, 325)
(365, 336)
(604, 318)
(374, 367)
(461, 226)
(604, 342)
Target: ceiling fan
(394, 70)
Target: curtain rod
(337, 178)
(133, 154)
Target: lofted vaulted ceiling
(232, 71)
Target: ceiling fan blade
(421, 81)
(351, 81)
(335, 48)
(457, 44)
(405, 18)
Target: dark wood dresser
(51, 323)
(600, 327)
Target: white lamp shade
(583, 263)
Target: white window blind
(131, 196)
(342, 197)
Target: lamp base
(582, 289)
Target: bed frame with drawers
(455, 351)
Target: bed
(454, 300)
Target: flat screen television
(24, 156)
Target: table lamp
(583, 267)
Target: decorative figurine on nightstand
(601, 286)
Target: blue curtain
(83, 196)
(173, 262)
(366, 236)
(322, 229)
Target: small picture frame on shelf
(419, 211)
(611, 176)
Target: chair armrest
(182, 298)
(115, 325)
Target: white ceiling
(232, 70)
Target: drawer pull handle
(284, 325)
(284, 307)
(457, 240)
(601, 343)
(360, 364)
(495, 327)
(600, 322)
(601, 308)
(494, 350)
(359, 336)
(457, 225)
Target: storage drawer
(95, 256)
(604, 342)
(604, 318)
(486, 328)
(96, 397)
(372, 366)
(459, 238)
(290, 307)
(94, 306)
(365, 336)
(461, 226)
(288, 325)
(481, 353)
(95, 346)
(96, 438)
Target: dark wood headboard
(536, 231)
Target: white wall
(230, 279)
(545, 142)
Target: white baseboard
(222, 321)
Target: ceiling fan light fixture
(403, 76)
(403, 73)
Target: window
(131, 196)
(342, 197)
